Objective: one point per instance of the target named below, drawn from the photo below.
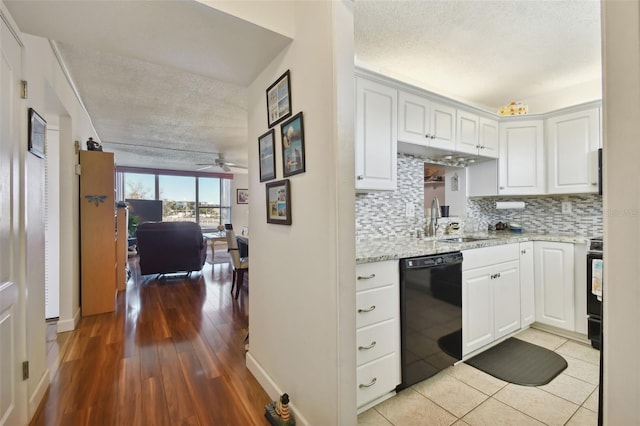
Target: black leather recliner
(167, 247)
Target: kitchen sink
(461, 239)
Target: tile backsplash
(542, 214)
(382, 214)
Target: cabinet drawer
(480, 257)
(381, 376)
(377, 340)
(376, 274)
(376, 305)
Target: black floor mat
(520, 362)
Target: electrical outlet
(409, 210)
(566, 207)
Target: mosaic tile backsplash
(382, 214)
(541, 214)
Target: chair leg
(240, 281)
(233, 281)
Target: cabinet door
(554, 284)
(376, 136)
(521, 164)
(413, 119)
(489, 140)
(572, 156)
(443, 127)
(468, 132)
(527, 285)
(477, 309)
(506, 298)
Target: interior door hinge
(24, 89)
(25, 370)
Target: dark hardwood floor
(171, 354)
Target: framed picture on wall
(266, 148)
(279, 100)
(279, 202)
(37, 129)
(293, 157)
(242, 196)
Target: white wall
(276, 16)
(621, 59)
(239, 212)
(302, 315)
(51, 95)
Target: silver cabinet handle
(427, 136)
(368, 385)
(523, 251)
(360, 177)
(594, 183)
(433, 136)
(502, 187)
(361, 311)
(364, 348)
(368, 277)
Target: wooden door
(506, 298)
(477, 309)
(413, 119)
(554, 284)
(521, 165)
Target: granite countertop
(379, 249)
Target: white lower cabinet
(527, 285)
(378, 330)
(490, 295)
(554, 284)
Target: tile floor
(462, 395)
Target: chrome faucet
(433, 221)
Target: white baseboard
(38, 394)
(272, 389)
(68, 324)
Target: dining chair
(240, 265)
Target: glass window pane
(209, 217)
(226, 215)
(178, 195)
(209, 192)
(140, 186)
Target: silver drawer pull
(368, 277)
(361, 311)
(368, 385)
(364, 348)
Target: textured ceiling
(486, 53)
(164, 81)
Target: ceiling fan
(220, 162)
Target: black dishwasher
(430, 315)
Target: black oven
(594, 300)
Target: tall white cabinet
(376, 136)
(521, 166)
(572, 152)
(554, 284)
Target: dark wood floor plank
(171, 354)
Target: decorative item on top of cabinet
(521, 169)
(376, 136)
(97, 233)
(572, 158)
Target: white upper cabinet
(426, 123)
(376, 136)
(521, 164)
(489, 138)
(572, 152)
(468, 132)
(477, 135)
